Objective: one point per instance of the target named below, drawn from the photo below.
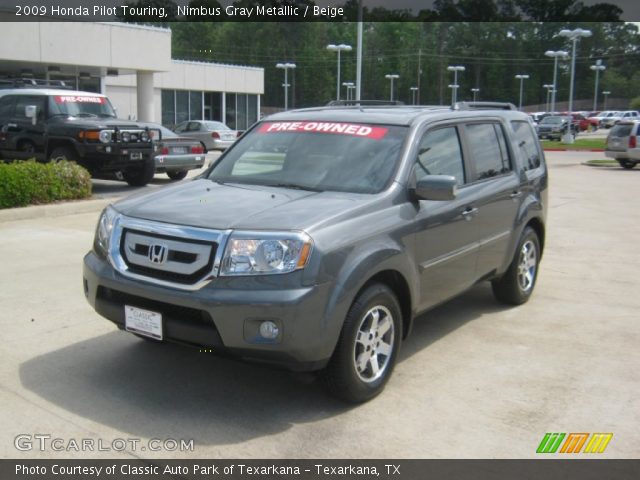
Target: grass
(579, 144)
(602, 163)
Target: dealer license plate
(135, 155)
(143, 322)
(179, 150)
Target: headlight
(126, 137)
(144, 136)
(265, 253)
(103, 231)
(105, 136)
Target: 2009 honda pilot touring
(322, 233)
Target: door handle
(516, 194)
(469, 212)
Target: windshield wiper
(294, 186)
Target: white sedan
(213, 135)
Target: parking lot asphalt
(474, 380)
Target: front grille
(168, 258)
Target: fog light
(269, 330)
(107, 149)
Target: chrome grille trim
(177, 233)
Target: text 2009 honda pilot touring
(316, 239)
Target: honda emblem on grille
(158, 253)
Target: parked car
(555, 126)
(175, 155)
(212, 135)
(611, 120)
(622, 143)
(53, 124)
(315, 241)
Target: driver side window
(439, 153)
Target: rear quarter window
(527, 144)
(621, 130)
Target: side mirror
(30, 111)
(436, 187)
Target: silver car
(622, 144)
(213, 135)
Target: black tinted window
(6, 106)
(439, 153)
(485, 141)
(22, 101)
(527, 144)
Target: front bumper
(224, 315)
(110, 158)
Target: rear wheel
(142, 175)
(368, 346)
(626, 164)
(516, 285)
(177, 175)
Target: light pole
(349, 86)
(522, 78)
(286, 66)
(555, 55)
(573, 36)
(413, 94)
(549, 88)
(454, 89)
(338, 49)
(598, 67)
(605, 94)
(475, 93)
(392, 77)
(454, 93)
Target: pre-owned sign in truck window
(358, 130)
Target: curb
(54, 210)
(573, 150)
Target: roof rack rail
(363, 103)
(32, 83)
(484, 106)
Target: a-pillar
(144, 82)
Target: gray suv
(320, 235)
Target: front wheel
(177, 175)
(142, 175)
(516, 285)
(63, 153)
(626, 164)
(368, 346)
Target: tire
(177, 175)
(626, 164)
(63, 154)
(27, 146)
(517, 283)
(143, 175)
(373, 324)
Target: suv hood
(203, 203)
(95, 123)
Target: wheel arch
(400, 287)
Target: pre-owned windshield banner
(337, 128)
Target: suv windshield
(80, 106)
(312, 155)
